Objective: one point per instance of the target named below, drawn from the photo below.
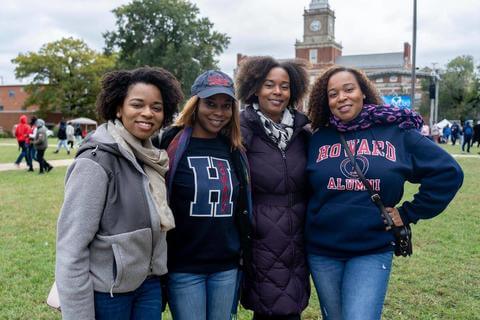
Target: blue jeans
(202, 296)
(145, 303)
(32, 152)
(24, 154)
(62, 143)
(352, 288)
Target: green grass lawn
(457, 148)
(440, 281)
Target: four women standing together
(242, 188)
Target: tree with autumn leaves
(166, 33)
(64, 75)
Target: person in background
(33, 130)
(455, 132)
(425, 131)
(22, 133)
(70, 131)
(349, 248)
(467, 132)
(275, 138)
(436, 133)
(78, 135)
(62, 137)
(447, 131)
(111, 232)
(40, 142)
(476, 134)
(209, 195)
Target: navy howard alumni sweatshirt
(342, 221)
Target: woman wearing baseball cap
(209, 196)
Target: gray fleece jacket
(108, 232)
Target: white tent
(442, 124)
(85, 121)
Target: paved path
(467, 155)
(23, 166)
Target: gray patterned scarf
(280, 133)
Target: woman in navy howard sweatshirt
(349, 251)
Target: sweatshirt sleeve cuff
(404, 216)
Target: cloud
(445, 29)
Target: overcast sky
(446, 29)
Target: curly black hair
(318, 108)
(115, 87)
(253, 71)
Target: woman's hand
(395, 215)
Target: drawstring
(94, 151)
(111, 290)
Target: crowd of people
(32, 138)
(226, 206)
(466, 135)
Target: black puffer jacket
(279, 283)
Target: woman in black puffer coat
(277, 286)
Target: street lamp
(414, 52)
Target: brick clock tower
(318, 45)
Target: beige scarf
(156, 166)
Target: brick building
(12, 106)
(391, 72)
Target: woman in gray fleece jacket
(111, 247)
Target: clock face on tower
(315, 25)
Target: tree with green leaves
(168, 34)
(65, 76)
(472, 99)
(458, 89)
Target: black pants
(466, 142)
(257, 316)
(44, 165)
(454, 139)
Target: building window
(11, 94)
(379, 80)
(1, 108)
(313, 56)
(393, 79)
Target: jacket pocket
(121, 262)
(118, 265)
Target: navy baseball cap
(213, 82)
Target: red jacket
(23, 130)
